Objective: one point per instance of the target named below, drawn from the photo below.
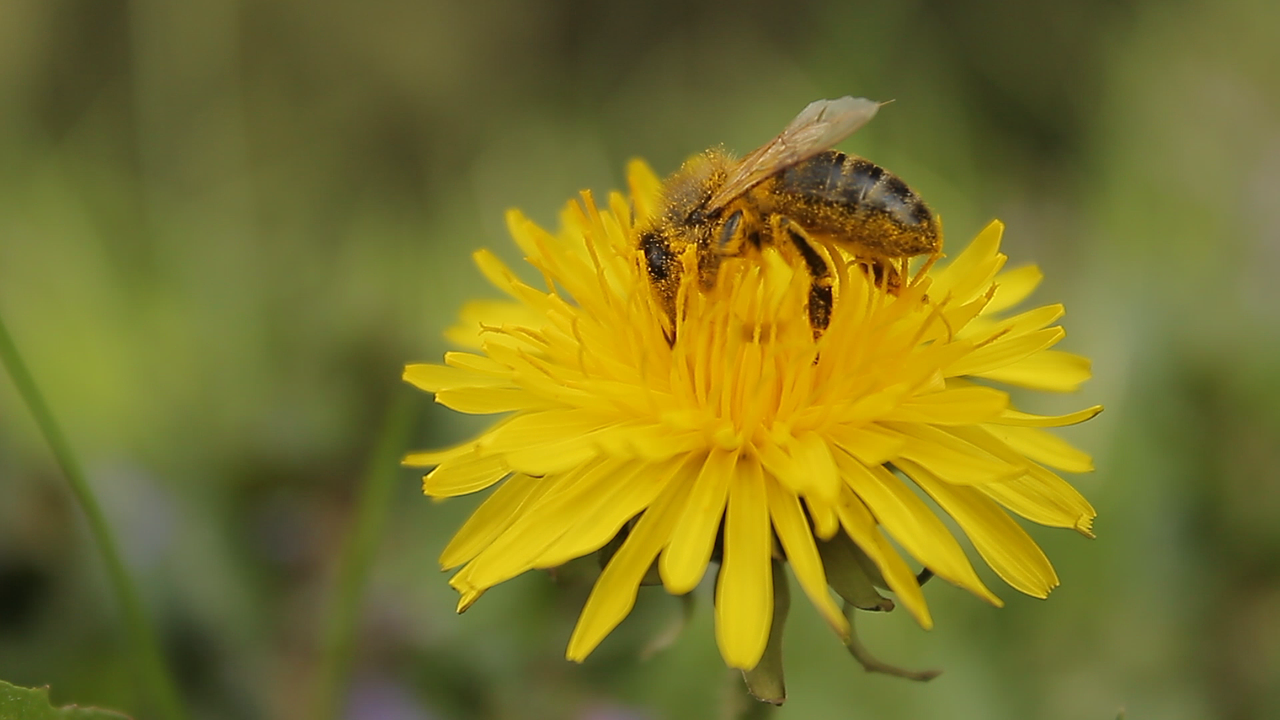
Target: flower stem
(152, 670)
(358, 551)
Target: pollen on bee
(793, 195)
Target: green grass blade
(358, 551)
(151, 668)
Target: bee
(794, 194)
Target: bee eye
(656, 256)
(730, 229)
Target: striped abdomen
(852, 201)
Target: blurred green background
(224, 227)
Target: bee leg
(727, 233)
(820, 297)
(713, 247)
(885, 275)
(664, 270)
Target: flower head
(745, 441)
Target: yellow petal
(494, 515)
(549, 458)
(685, 559)
(1014, 417)
(614, 593)
(905, 516)
(467, 598)
(489, 400)
(435, 457)
(812, 456)
(919, 370)
(479, 314)
(953, 459)
(645, 189)
(872, 444)
(861, 526)
(1040, 495)
(1014, 286)
(433, 378)
(545, 442)
(1043, 447)
(957, 318)
(520, 547)
(497, 273)
(780, 465)
(744, 590)
(602, 514)
(1021, 324)
(649, 441)
(479, 364)
(620, 207)
(874, 405)
(542, 428)
(1030, 321)
(1043, 497)
(954, 406)
(1002, 353)
(970, 274)
(802, 554)
(823, 514)
(1002, 542)
(464, 474)
(1049, 370)
(528, 235)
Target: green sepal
(869, 567)
(847, 574)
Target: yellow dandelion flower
(746, 441)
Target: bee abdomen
(858, 185)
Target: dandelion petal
(614, 593)
(1002, 543)
(685, 559)
(744, 596)
(802, 553)
(914, 525)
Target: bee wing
(820, 125)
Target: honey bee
(795, 194)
